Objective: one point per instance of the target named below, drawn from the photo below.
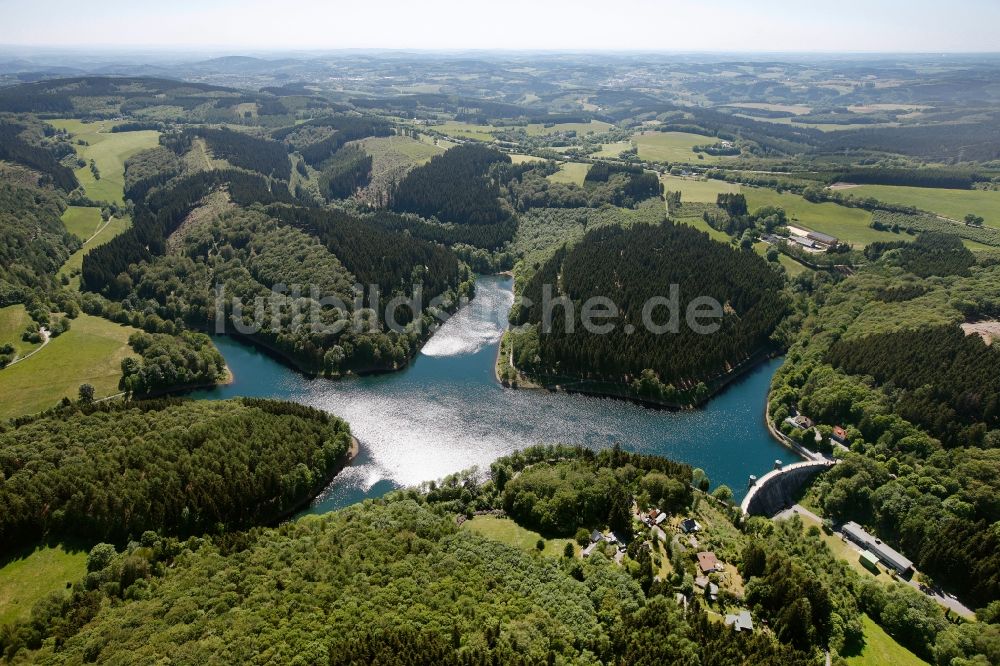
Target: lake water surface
(446, 412)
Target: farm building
(888, 556)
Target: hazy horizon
(669, 26)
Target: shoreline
(353, 449)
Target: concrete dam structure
(776, 489)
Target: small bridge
(776, 489)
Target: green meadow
(613, 150)
(466, 130)
(695, 190)
(848, 224)
(879, 649)
(91, 352)
(674, 147)
(507, 531)
(81, 221)
(13, 320)
(955, 204)
(29, 577)
(109, 150)
(570, 172)
(417, 151)
(594, 126)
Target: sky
(661, 25)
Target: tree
(540, 545)
(974, 220)
(86, 393)
(723, 493)
(582, 536)
(568, 549)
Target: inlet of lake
(446, 412)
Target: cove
(446, 412)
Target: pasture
(466, 130)
(695, 190)
(954, 204)
(417, 152)
(675, 147)
(570, 172)
(13, 320)
(30, 576)
(91, 352)
(109, 150)
(81, 221)
(613, 149)
(879, 648)
(847, 224)
(507, 531)
(581, 129)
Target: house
(840, 434)
(596, 536)
(740, 622)
(702, 582)
(689, 525)
(801, 421)
(885, 554)
(708, 563)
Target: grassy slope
(880, 649)
(82, 222)
(417, 151)
(694, 190)
(13, 320)
(114, 227)
(570, 172)
(91, 352)
(29, 577)
(507, 531)
(847, 224)
(613, 149)
(674, 147)
(955, 204)
(109, 151)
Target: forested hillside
(631, 266)
(111, 471)
(884, 357)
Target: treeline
(243, 150)
(149, 169)
(486, 236)
(917, 222)
(946, 381)
(967, 142)
(346, 128)
(170, 362)
(15, 148)
(350, 168)
(454, 187)
(956, 179)
(138, 126)
(631, 267)
(34, 242)
(393, 261)
(111, 471)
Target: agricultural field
(613, 150)
(91, 352)
(524, 159)
(954, 204)
(466, 130)
(507, 531)
(879, 648)
(694, 190)
(109, 151)
(594, 126)
(114, 227)
(675, 147)
(794, 109)
(81, 221)
(570, 172)
(13, 320)
(848, 224)
(416, 151)
(29, 577)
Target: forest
(20, 143)
(631, 266)
(264, 156)
(111, 471)
(33, 241)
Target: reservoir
(446, 412)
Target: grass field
(955, 204)
(613, 149)
(507, 531)
(794, 109)
(570, 172)
(418, 152)
(114, 227)
(694, 190)
(109, 151)
(523, 159)
(702, 225)
(31, 576)
(538, 129)
(90, 352)
(674, 147)
(792, 267)
(82, 221)
(848, 224)
(466, 130)
(879, 649)
(13, 320)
